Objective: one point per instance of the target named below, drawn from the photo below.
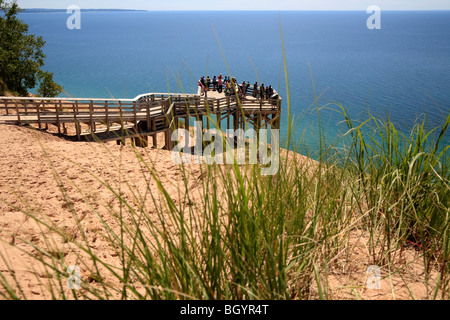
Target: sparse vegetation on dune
(226, 232)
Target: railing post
(6, 107)
(77, 126)
(57, 116)
(148, 116)
(39, 114)
(135, 115)
(18, 113)
(121, 116)
(107, 117)
(91, 111)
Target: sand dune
(64, 181)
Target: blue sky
(241, 4)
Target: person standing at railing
(208, 82)
(246, 87)
(255, 90)
(242, 87)
(227, 90)
(214, 82)
(234, 86)
(220, 83)
(270, 92)
(202, 86)
(262, 91)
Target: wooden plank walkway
(146, 115)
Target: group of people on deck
(231, 87)
(263, 92)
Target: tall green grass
(404, 180)
(259, 237)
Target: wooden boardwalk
(141, 117)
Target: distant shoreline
(38, 10)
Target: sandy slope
(35, 165)
(33, 162)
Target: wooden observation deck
(146, 115)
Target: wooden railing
(145, 107)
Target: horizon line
(273, 10)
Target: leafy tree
(47, 87)
(21, 55)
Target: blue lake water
(402, 70)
